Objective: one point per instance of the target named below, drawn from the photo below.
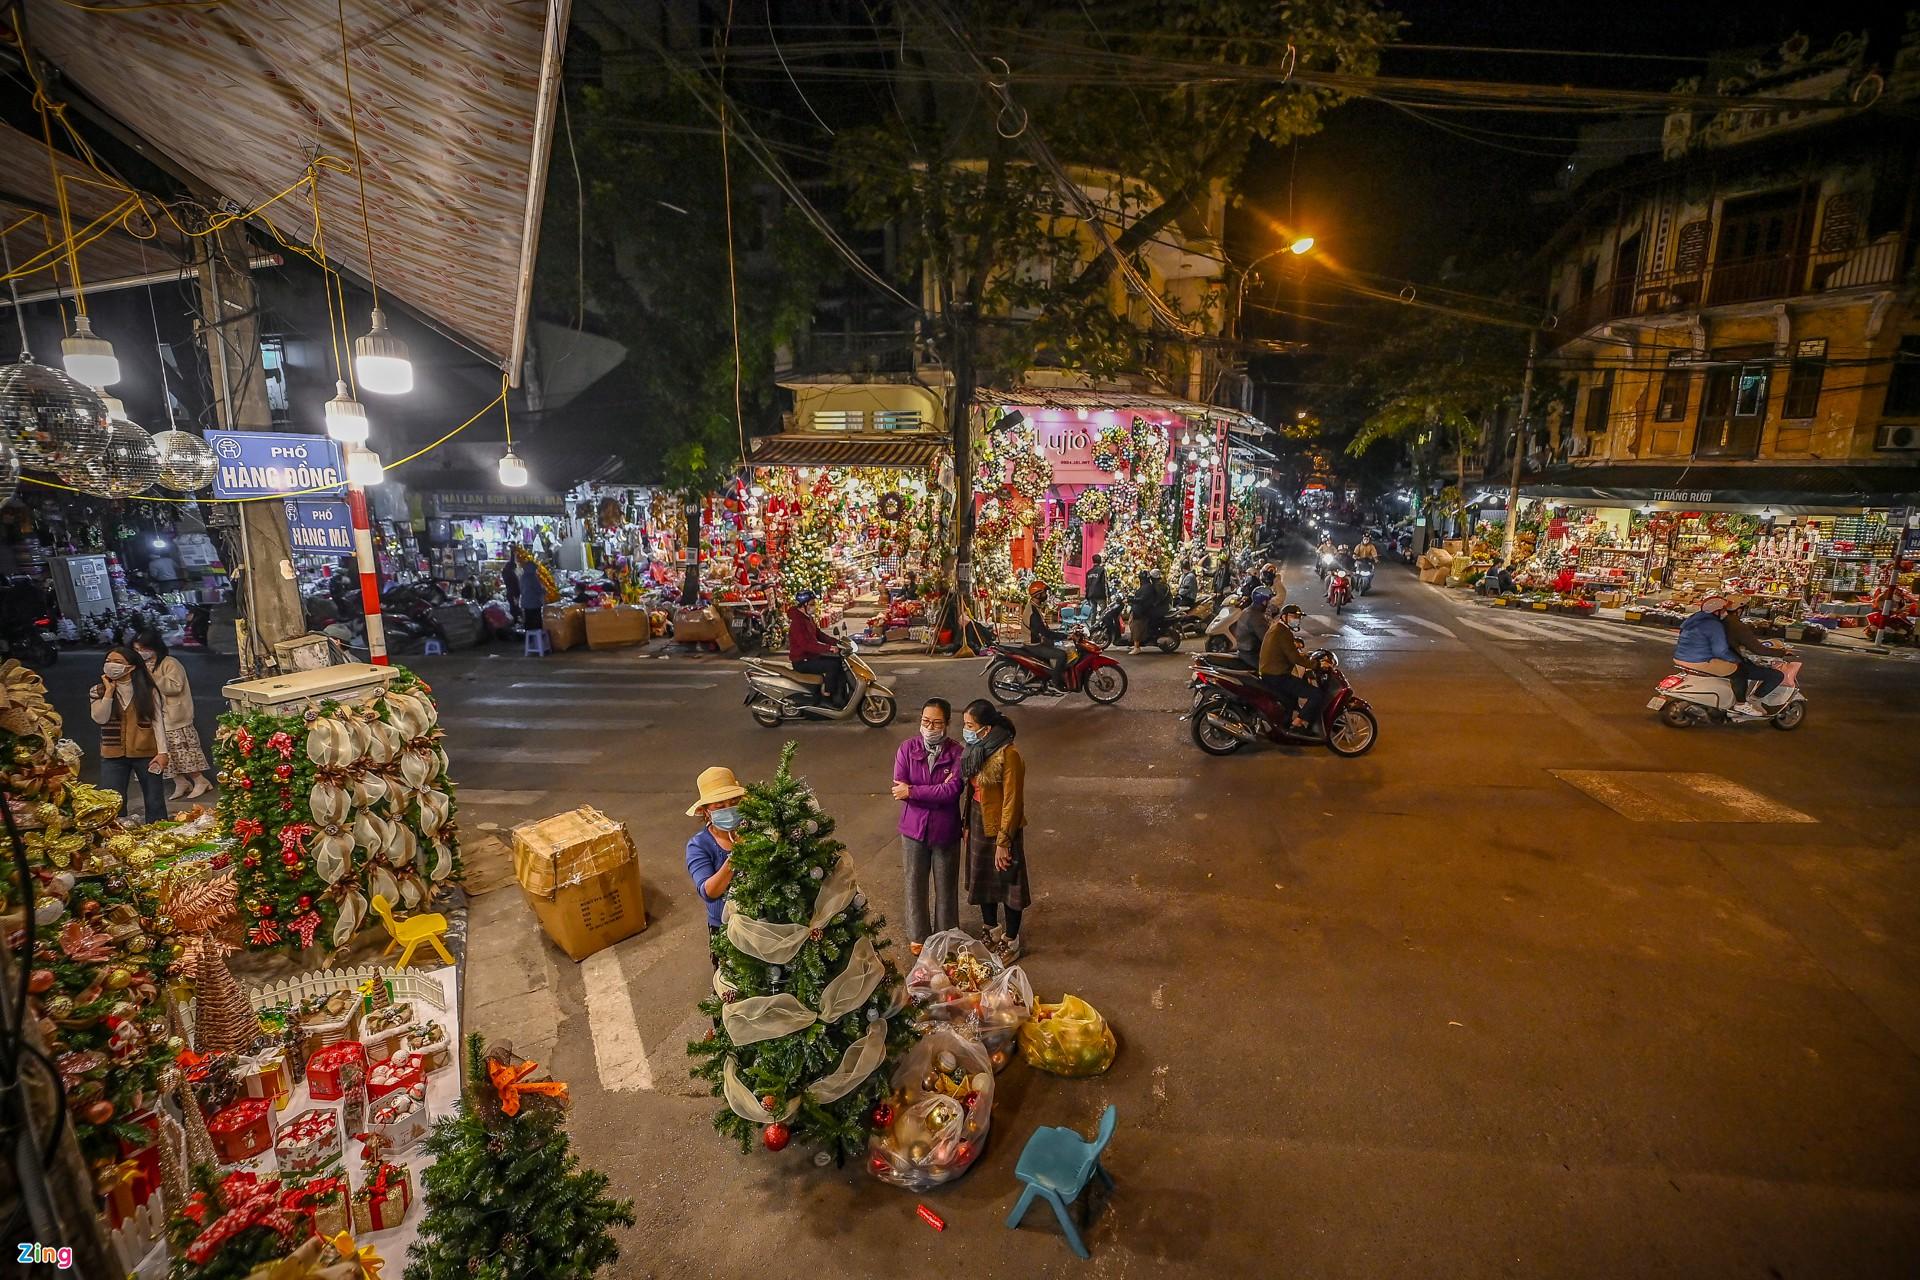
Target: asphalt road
(1510, 996)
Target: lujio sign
(1069, 447)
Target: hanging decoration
(186, 461)
(51, 419)
(131, 463)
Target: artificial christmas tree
(506, 1198)
(805, 1008)
(192, 914)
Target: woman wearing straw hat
(709, 853)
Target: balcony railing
(1657, 293)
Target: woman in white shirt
(186, 758)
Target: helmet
(1259, 598)
(1713, 604)
(1292, 611)
(1037, 588)
(804, 597)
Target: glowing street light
(1300, 245)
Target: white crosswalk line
(618, 1055)
(1430, 625)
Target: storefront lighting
(1080, 414)
(364, 469)
(513, 472)
(90, 360)
(1766, 514)
(380, 360)
(346, 417)
(159, 544)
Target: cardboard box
(618, 627)
(580, 875)
(566, 626)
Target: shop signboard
(1069, 447)
(266, 464)
(499, 502)
(321, 526)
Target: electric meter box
(348, 682)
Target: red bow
(245, 829)
(292, 836)
(250, 1202)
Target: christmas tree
(806, 566)
(804, 1006)
(506, 1198)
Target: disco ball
(186, 461)
(132, 463)
(9, 469)
(50, 418)
(87, 477)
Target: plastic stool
(537, 645)
(431, 648)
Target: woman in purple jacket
(927, 780)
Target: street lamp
(1299, 246)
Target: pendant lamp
(346, 417)
(380, 360)
(89, 359)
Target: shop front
(469, 534)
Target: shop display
(241, 1130)
(382, 1030)
(934, 1122)
(957, 979)
(333, 805)
(321, 1201)
(309, 1141)
(429, 1046)
(400, 1119)
(231, 1224)
(1068, 1039)
(334, 1069)
(799, 982)
(395, 1075)
(381, 1201)
(266, 1075)
(506, 1145)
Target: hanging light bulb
(346, 417)
(513, 472)
(364, 469)
(89, 359)
(380, 360)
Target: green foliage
(783, 851)
(239, 1254)
(506, 1197)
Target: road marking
(1429, 624)
(1678, 797)
(503, 799)
(675, 679)
(618, 1054)
(609, 698)
(527, 755)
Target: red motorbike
(1233, 708)
(1015, 672)
(1339, 589)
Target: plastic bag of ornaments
(934, 1124)
(956, 979)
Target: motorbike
(1339, 589)
(1193, 619)
(1016, 673)
(1324, 565)
(1363, 576)
(1233, 708)
(1220, 630)
(1687, 698)
(31, 640)
(1112, 625)
(776, 693)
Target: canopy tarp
(455, 102)
(1789, 490)
(799, 449)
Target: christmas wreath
(892, 506)
(1093, 506)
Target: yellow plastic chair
(411, 932)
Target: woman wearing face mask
(927, 782)
(709, 853)
(133, 731)
(186, 759)
(995, 814)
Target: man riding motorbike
(1703, 648)
(1742, 639)
(813, 651)
(1250, 628)
(1366, 550)
(1149, 602)
(1189, 591)
(1042, 639)
(1283, 669)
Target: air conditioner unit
(1903, 436)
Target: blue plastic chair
(1057, 1164)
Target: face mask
(972, 736)
(724, 819)
(933, 737)
(115, 670)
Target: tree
(223, 1020)
(1193, 83)
(506, 1197)
(803, 1010)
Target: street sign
(322, 526)
(262, 464)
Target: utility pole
(1519, 448)
(270, 608)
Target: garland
(332, 805)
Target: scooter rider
(1189, 593)
(1042, 639)
(813, 651)
(1283, 669)
(1366, 551)
(1324, 554)
(1250, 628)
(1743, 640)
(1703, 646)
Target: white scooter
(1220, 630)
(776, 693)
(1687, 698)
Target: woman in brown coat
(994, 809)
(133, 730)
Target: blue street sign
(260, 464)
(321, 526)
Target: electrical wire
(775, 40)
(733, 275)
(359, 157)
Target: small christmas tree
(506, 1198)
(804, 1010)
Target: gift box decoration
(325, 1066)
(397, 1073)
(122, 1188)
(382, 1203)
(309, 1141)
(429, 1046)
(322, 1202)
(266, 1076)
(327, 1020)
(145, 1153)
(400, 1119)
(239, 1130)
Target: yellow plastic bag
(1068, 1039)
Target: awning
(1802, 490)
(798, 450)
(1086, 398)
(455, 109)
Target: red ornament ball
(775, 1137)
(290, 856)
(265, 909)
(246, 782)
(882, 1115)
(284, 772)
(305, 902)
